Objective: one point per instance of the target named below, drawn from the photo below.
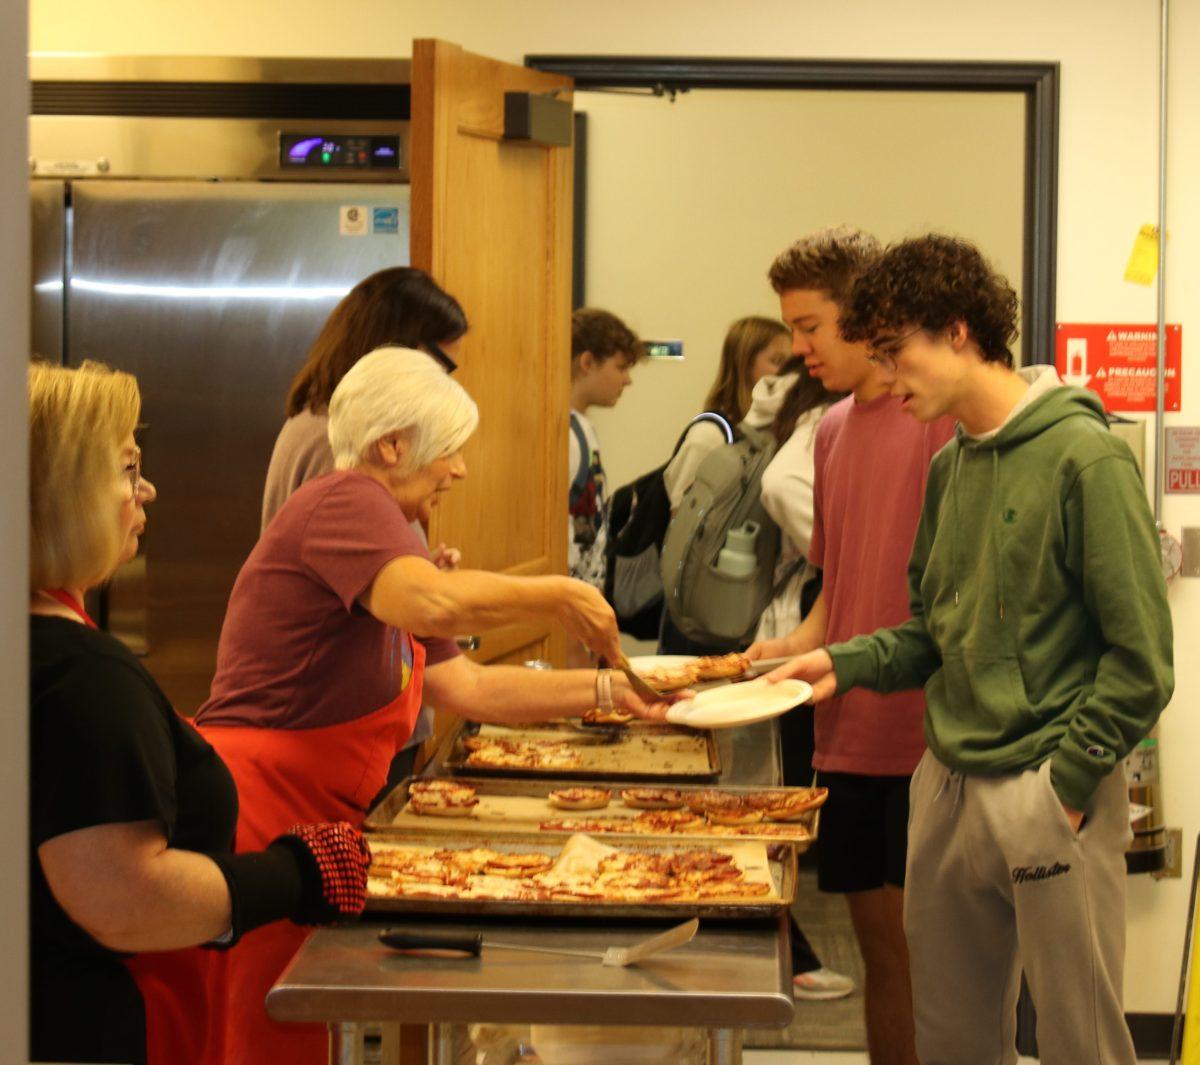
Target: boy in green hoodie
(1041, 634)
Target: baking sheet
(520, 807)
(642, 751)
(760, 861)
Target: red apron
(286, 777)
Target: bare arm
(807, 636)
(413, 594)
(515, 695)
(129, 891)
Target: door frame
(1038, 82)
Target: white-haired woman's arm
(411, 593)
(516, 695)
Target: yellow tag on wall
(1143, 260)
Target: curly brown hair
(933, 282)
(603, 334)
(829, 260)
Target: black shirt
(107, 748)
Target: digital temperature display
(315, 151)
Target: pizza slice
(719, 667)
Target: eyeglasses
(885, 355)
(133, 472)
(441, 357)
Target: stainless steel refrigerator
(209, 285)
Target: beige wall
(688, 203)
(1107, 185)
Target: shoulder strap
(585, 458)
(713, 416)
(718, 420)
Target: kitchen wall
(1107, 181)
(688, 203)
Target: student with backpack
(603, 351)
(753, 352)
(754, 348)
(641, 511)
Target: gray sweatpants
(998, 882)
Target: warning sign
(1183, 459)
(1119, 363)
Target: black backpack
(639, 513)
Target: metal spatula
(471, 944)
(645, 692)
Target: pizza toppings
(669, 678)
(719, 667)
(441, 798)
(643, 875)
(520, 754)
(612, 716)
(652, 798)
(580, 798)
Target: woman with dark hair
(398, 307)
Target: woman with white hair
(132, 813)
(319, 677)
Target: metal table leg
(346, 1043)
(724, 1046)
(441, 1044)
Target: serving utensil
(471, 944)
(644, 690)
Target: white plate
(740, 704)
(645, 663)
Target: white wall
(14, 525)
(1107, 184)
(689, 202)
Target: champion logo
(1024, 873)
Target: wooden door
(491, 221)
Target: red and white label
(1119, 363)
(1182, 453)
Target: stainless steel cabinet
(211, 293)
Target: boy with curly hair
(1041, 634)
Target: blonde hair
(731, 391)
(394, 390)
(78, 420)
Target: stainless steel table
(728, 978)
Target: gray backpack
(717, 585)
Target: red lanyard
(71, 603)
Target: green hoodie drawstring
(998, 521)
(954, 522)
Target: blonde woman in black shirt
(132, 812)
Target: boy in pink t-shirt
(871, 461)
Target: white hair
(399, 390)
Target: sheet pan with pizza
(539, 808)
(643, 750)
(582, 875)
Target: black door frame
(1039, 82)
